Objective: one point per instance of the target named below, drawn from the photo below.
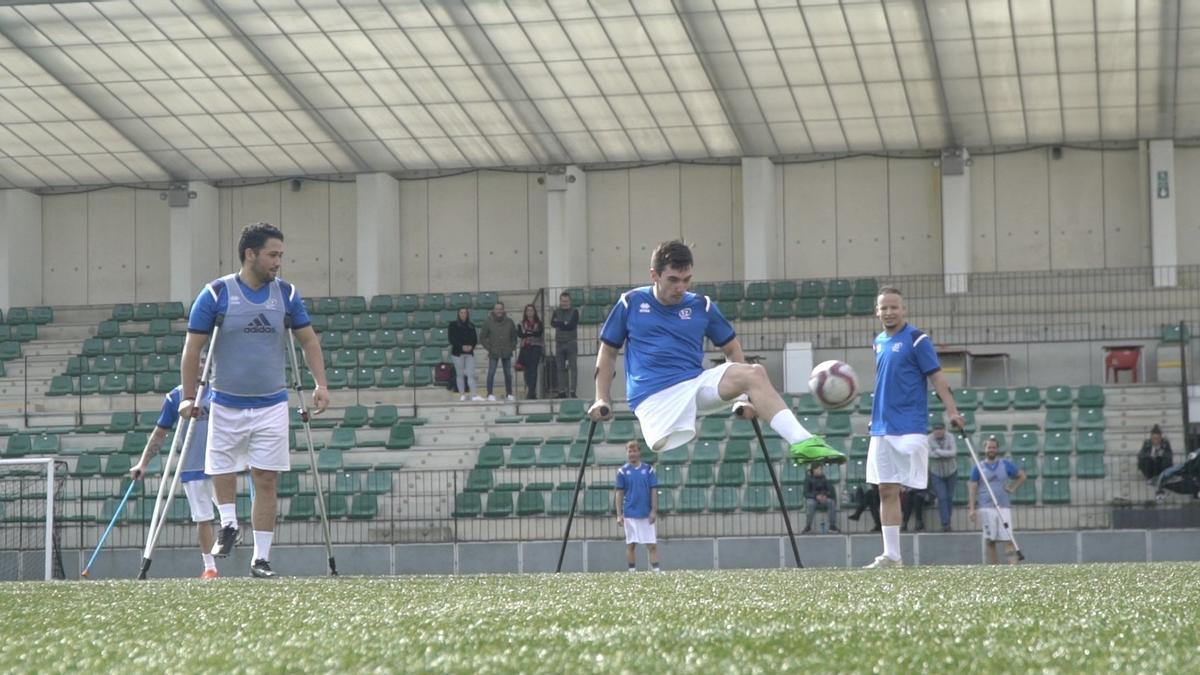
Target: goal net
(29, 519)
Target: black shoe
(854, 516)
(226, 539)
(806, 530)
(833, 529)
(261, 569)
(945, 528)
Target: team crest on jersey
(272, 304)
(645, 308)
(896, 347)
(685, 313)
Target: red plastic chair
(1118, 360)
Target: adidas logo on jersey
(259, 325)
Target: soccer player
(637, 506)
(992, 515)
(899, 451)
(662, 327)
(248, 415)
(196, 484)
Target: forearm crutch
(587, 449)
(111, 523)
(787, 520)
(312, 455)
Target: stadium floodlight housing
(32, 490)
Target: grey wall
(597, 556)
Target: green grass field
(1086, 618)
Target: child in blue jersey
(899, 452)
(662, 328)
(248, 413)
(992, 516)
(637, 506)
(196, 484)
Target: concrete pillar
(195, 244)
(20, 249)
(956, 219)
(378, 234)
(1163, 229)
(566, 229)
(760, 220)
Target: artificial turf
(1067, 618)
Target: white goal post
(46, 464)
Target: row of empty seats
(25, 315)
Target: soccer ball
(834, 384)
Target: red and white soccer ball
(834, 384)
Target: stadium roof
(151, 90)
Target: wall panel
(152, 247)
(608, 227)
(304, 219)
(653, 215)
(810, 220)
(983, 214)
(504, 236)
(1077, 210)
(1126, 224)
(538, 263)
(110, 255)
(862, 217)
(454, 233)
(1187, 205)
(1022, 212)
(915, 216)
(64, 249)
(343, 238)
(706, 220)
(414, 236)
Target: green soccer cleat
(815, 450)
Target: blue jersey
(664, 344)
(193, 466)
(214, 301)
(998, 473)
(903, 363)
(637, 482)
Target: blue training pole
(103, 537)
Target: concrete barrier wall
(609, 556)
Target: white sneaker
(632, 570)
(462, 397)
(476, 398)
(510, 397)
(656, 570)
(491, 398)
(883, 561)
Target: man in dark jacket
(1155, 455)
(499, 337)
(566, 347)
(818, 493)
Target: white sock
(891, 541)
(228, 514)
(262, 545)
(210, 563)
(786, 425)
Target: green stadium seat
(486, 300)
(159, 328)
(171, 344)
(330, 460)
(1027, 398)
(77, 365)
(706, 452)
(675, 456)
(490, 457)
(395, 321)
(758, 290)
(712, 429)
(740, 429)
(343, 438)
(479, 480)
(1058, 419)
(779, 309)
(692, 500)
(379, 483)
(118, 346)
(571, 410)
(1026, 494)
(834, 306)
(996, 399)
(385, 339)
(167, 381)
(113, 384)
(60, 385)
(812, 288)
(862, 305)
(866, 402)
(407, 302)
(866, 286)
(467, 505)
(354, 304)
(531, 503)
(1025, 443)
(737, 450)
(1174, 334)
(172, 311)
(1056, 466)
(364, 507)
(784, 290)
(1090, 396)
(380, 304)
(792, 473)
(760, 474)
(859, 446)
(522, 456)
(141, 383)
(839, 288)
(156, 363)
(120, 423)
(621, 431)
(331, 341)
(117, 465)
(793, 498)
(807, 404)
(600, 297)
(41, 315)
(966, 399)
(592, 315)
(552, 455)
(88, 383)
(935, 402)
(669, 476)
(108, 330)
(1089, 466)
(362, 378)
(1059, 397)
(666, 500)
(337, 378)
(45, 444)
(429, 356)
(91, 347)
(596, 502)
(731, 474)
(401, 437)
(122, 312)
(422, 320)
(1027, 463)
(145, 311)
(318, 322)
(343, 358)
(724, 499)
(1054, 491)
(1090, 443)
(757, 499)
(391, 377)
(103, 365)
(355, 417)
(358, 339)
(384, 415)
(807, 308)
(374, 358)
(730, 291)
(575, 454)
(499, 505)
(18, 445)
(1058, 442)
(419, 376)
(1091, 419)
(288, 484)
(560, 502)
(856, 471)
(346, 483)
(302, 507)
(837, 424)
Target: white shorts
(200, 498)
(241, 437)
(992, 521)
(899, 459)
(668, 417)
(640, 531)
